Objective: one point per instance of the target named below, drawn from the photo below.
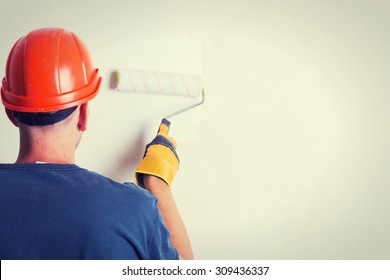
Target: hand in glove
(160, 158)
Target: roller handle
(187, 108)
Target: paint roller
(149, 82)
(162, 162)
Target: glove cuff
(157, 167)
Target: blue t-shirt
(61, 211)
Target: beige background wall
(289, 157)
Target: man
(49, 207)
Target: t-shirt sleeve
(153, 238)
(161, 247)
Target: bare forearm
(171, 215)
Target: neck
(34, 155)
(42, 145)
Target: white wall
(291, 156)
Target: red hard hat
(48, 70)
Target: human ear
(83, 117)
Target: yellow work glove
(160, 158)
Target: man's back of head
(48, 81)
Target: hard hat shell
(48, 70)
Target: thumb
(163, 130)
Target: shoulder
(69, 184)
(97, 185)
(133, 212)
